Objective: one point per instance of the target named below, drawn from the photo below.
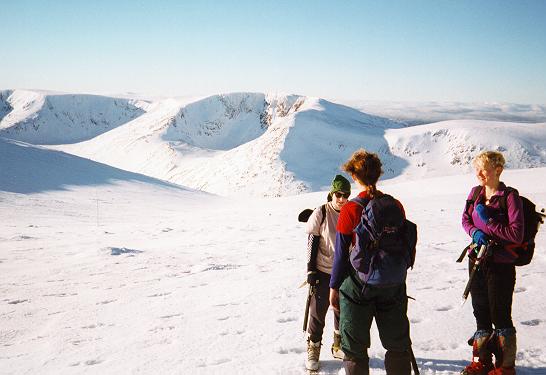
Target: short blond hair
(489, 159)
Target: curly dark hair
(365, 167)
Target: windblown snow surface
(105, 270)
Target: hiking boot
(477, 368)
(313, 354)
(507, 345)
(506, 352)
(482, 358)
(336, 347)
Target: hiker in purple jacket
(493, 286)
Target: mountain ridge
(273, 145)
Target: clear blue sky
(459, 50)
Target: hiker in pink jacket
(486, 221)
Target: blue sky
(466, 51)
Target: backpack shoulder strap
(476, 190)
(362, 202)
(323, 209)
(504, 197)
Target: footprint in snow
(105, 302)
(425, 288)
(159, 295)
(286, 320)
(170, 316)
(17, 301)
(92, 362)
(290, 350)
(219, 361)
(532, 323)
(444, 308)
(22, 237)
(123, 250)
(221, 267)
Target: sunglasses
(342, 195)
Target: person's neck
(491, 189)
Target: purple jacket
(504, 227)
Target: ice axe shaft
(481, 255)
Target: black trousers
(492, 290)
(319, 307)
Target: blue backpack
(385, 242)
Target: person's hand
(479, 238)
(334, 299)
(312, 278)
(483, 213)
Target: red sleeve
(348, 218)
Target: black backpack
(531, 222)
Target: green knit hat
(340, 183)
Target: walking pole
(481, 255)
(414, 362)
(306, 316)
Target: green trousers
(388, 305)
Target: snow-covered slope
(253, 143)
(49, 118)
(447, 147)
(128, 277)
(25, 168)
(220, 122)
(263, 145)
(242, 143)
(108, 271)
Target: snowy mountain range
(108, 265)
(253, 143)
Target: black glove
(312, 278)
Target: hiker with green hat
(321, 229)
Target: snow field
(136, 277)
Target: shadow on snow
(426, 365)
(27, 169)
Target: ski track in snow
(132, 277)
